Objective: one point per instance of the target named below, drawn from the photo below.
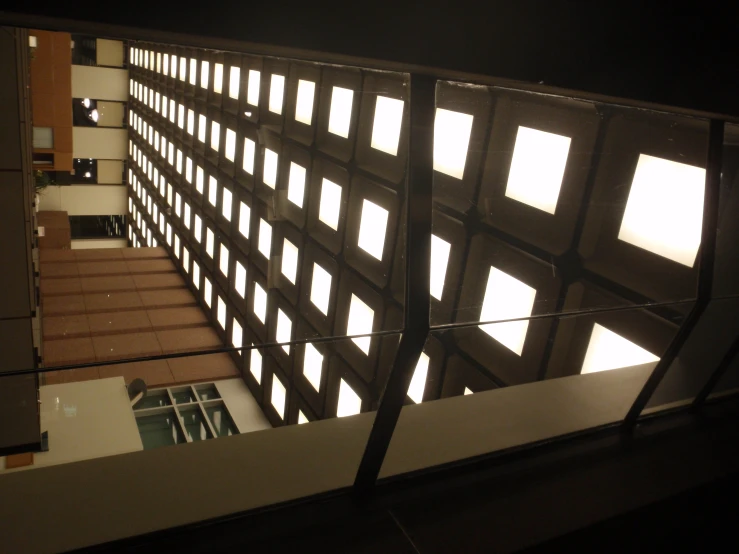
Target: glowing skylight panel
(296, 184)
(372, 227)
(418, 381)
(209, 242)
(507, 298)
(265, 238)
(202, 127)
(304, 103)
(439, 260)
(664, 211)
(313, 366)
(248, 161)
(289, 261)
(204, 74)
(244, 219)
(283, 332)
(199, 179)
(451, 140)
(240, 279)
(237, 334)
(276, 93)
(218, 78)
(197, 231)
(320, 289)
(386, 125)
(230, 145)
(212, 191)
(234, 80)
(255, 365)
(195, 274)
(223, 260)
(260, 303)
(340, 113)
(269, 173)
(360, 321)
(537, 168)
(607, 350)
(330, 205)
(190, 122)
(349, 401)
(252, 91)
(207, 291)
(193, 71)
(279, 396)
(215, 135)
(227, 202)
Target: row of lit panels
(660, 213)
(511, 335)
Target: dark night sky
(631, 49)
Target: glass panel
(159, 430)
(538, 198)
(221, 421)
(195, 425)
(153, 399)
(183, 396)
(208, 392)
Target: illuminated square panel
(197, 231)
(340, 113)
(218, 78)
(204, 74)
(186, 217)
(537, 168)
(227, 200)
(223, 260)
(237, 334)
(172, 108)
(276, 93)
(255, 365)
(330, 206)
(304, 104)
(173, 68)
(202, 124)
(165, 103)
(279, 396)
(467, 391)
(265, 238)
(181, 116)
(234, 80)
(296, 184)
(207, 291)
(360, 321)
(451, 141)
(439, 260)
(186, 260)
(213, 191)
(252, 90)
(283, 332)
(289, 261)
(248, 162)
(196, 274)
(301, 418)
(320, 288)
(507, 298)
(372, 229)
(313, 366)
(190, 122)
(183, 68)
(199, 179)
(193, 70)
(418, 381)
(188, 169)
(607, 350)
(270, 168)
(349, 401)
(177, 204)
(244, 219)
(215, 135)
(221, 313)
(240, 280)
(230, 145)
(664, 212)
(260, 303)
(209, 242)
(386, 125)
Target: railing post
(417, 279)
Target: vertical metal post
(417, 279)
(705, 273)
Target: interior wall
(110, 172)
(85, 199)
(109, 52)
(110, 114)
(100, 143)
(99, 83)
(86, 244)
(244, 410)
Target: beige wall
(86, 244)
(110, 114)
(244, 410)
(110, 172)
(101, 143)
(99, 83)
(85, 199)
(85, 420)
(109, 52)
